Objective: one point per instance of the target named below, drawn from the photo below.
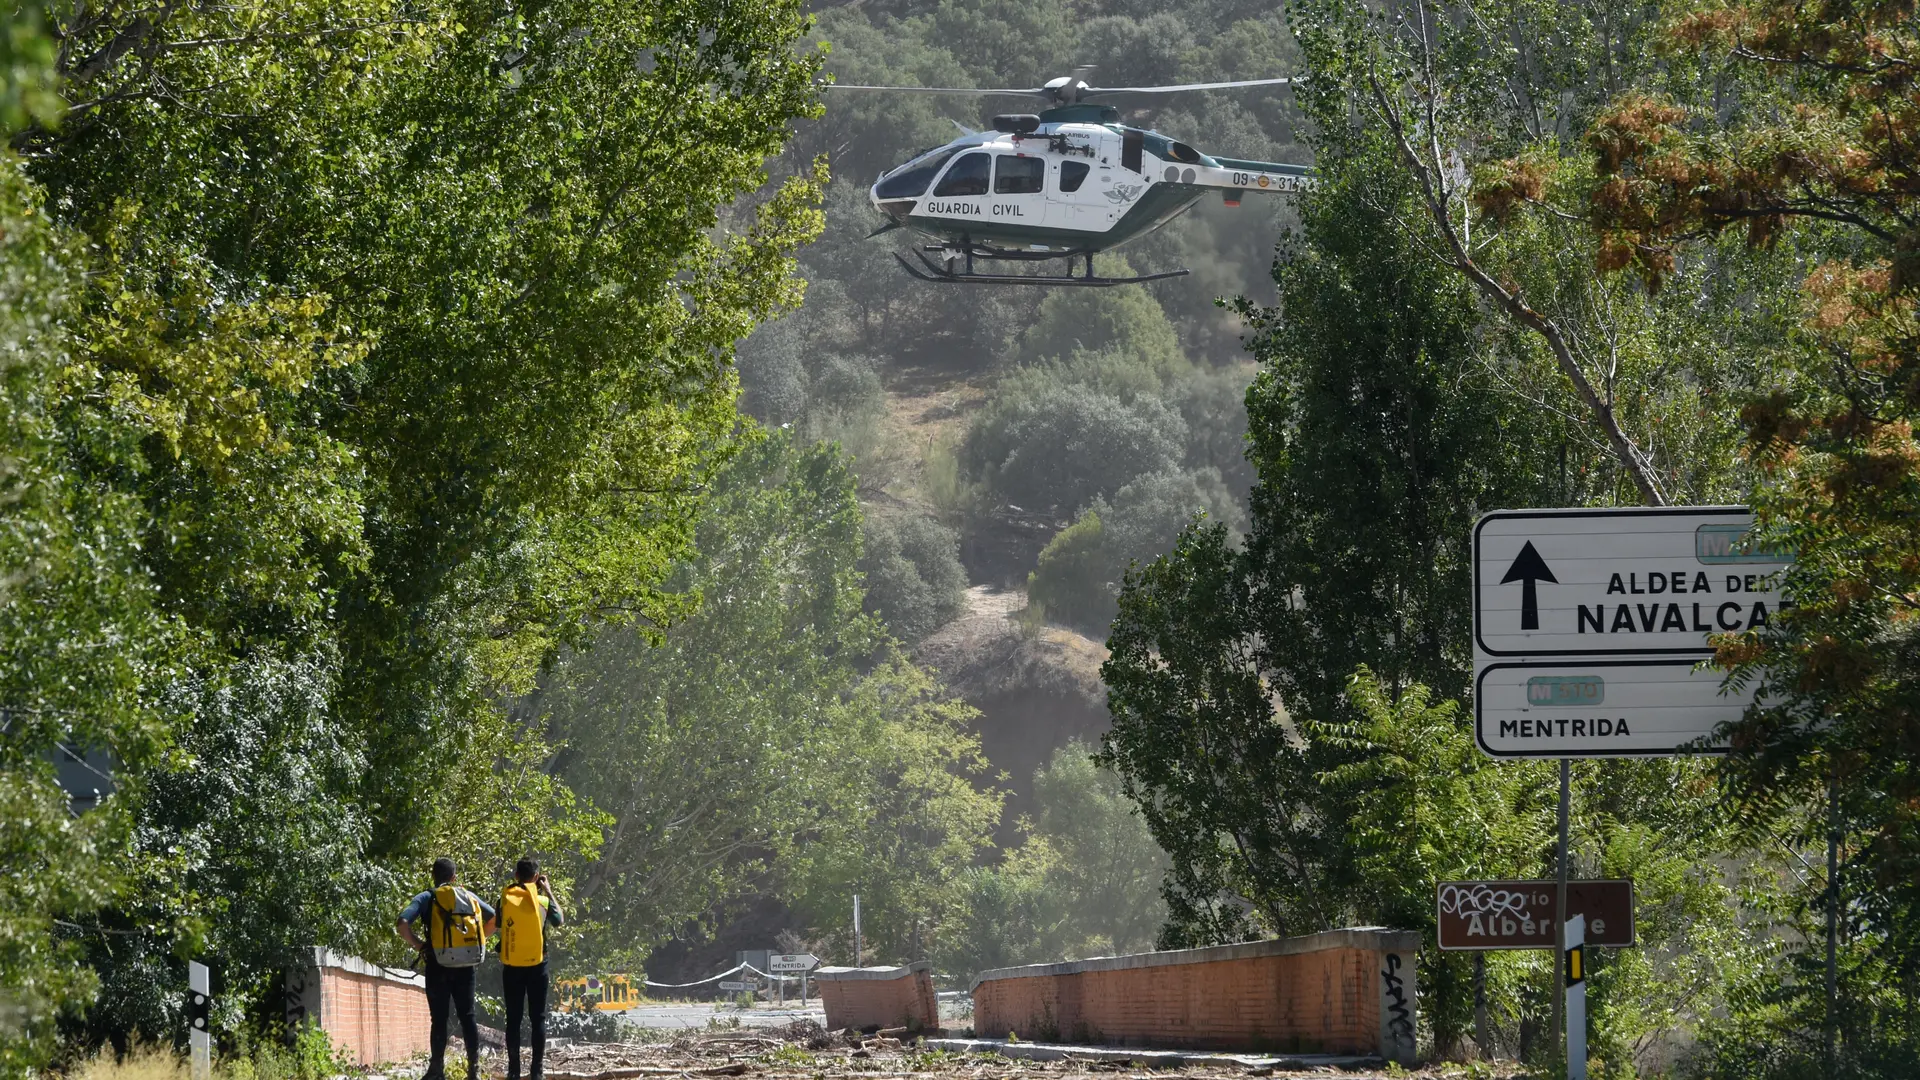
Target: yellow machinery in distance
(612, 993)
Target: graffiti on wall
(1396, 1008)
(300, 1001)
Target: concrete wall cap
(1370, 938)
(836, 974)
(322, 957)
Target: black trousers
(451, 990)
(526, 989)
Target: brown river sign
(1519, 914)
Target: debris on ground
(804, 1050)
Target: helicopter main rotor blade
(1187, 86)
(1032, 92)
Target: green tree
(395, 359)
(1107, 870)
(1815, 160)
(1081, 569)
(1068, 443)
(698, 741)
(78, 634)
(1126, 323)
(744, 750)
(1379, 432)
(1421, 804)
(1476, 109)
(1084, 881)
(902, 817)
(1224, 785)
(914, 578)
(1070, 582)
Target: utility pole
(1480, 1037)
(1833, 918)
(1560, 906)
(856, 930)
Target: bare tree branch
(1430, 176)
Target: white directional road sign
(730, 985)
(1651, 581)
(1600, 708)
(792, 962)
(1588, 625)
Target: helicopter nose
(896, 209)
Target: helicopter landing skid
(941, 274)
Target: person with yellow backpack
(527, 908)
(458, 923)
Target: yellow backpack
(523, 917)
(455, 928)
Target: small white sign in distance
(792, 962)
(1648, 581)
(737, 986)
(1602, 708)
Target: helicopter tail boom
(1269, 177)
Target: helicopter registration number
(1264, 181)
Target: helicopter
(1066, 183)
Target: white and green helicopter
(1067, 183)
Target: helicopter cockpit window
(968, 176)
(910, 181)
(1019, 175)
(1073, 174)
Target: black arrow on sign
(1528, 567)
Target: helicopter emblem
(1067, 183)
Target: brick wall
(1344, 991)
(878, 997)
(375, 1014)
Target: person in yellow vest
(527, 908)
(458, 923)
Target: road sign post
(800, 962)
(1575, 968)
(1560, 874)
(199, 1010)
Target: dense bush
(1078, 578)
(773, 376)
(914, 578)
(1071, 582)
(1213, 402)
(1066, 445)
(1126, 322)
